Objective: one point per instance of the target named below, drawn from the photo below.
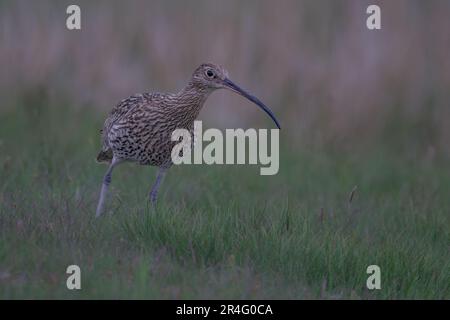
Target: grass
(218, 231)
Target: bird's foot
(153, 197)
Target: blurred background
(330, 80)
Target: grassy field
(218, 231)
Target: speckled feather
(139, 128)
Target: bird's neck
(192, 97)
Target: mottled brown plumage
(139, 128)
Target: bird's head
(210, 76)
(213, 77)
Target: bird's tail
(105, 156)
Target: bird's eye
(210, 73)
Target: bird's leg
(105, 185)
(154, 192)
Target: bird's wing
(124, 109)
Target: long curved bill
(242, 92)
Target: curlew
(139, 128)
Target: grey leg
(105, 185)
(154, 192)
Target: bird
(139, 128)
